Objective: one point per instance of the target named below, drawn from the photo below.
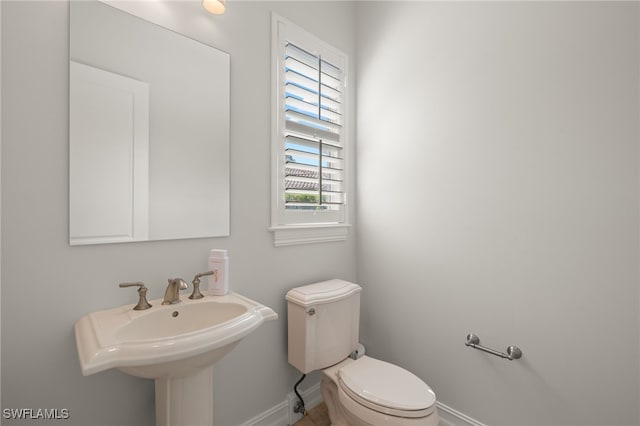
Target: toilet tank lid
(322, 292)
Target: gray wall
(503, 139)
(48, 285)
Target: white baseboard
(283, 415)
(452, 417)
(275, 416)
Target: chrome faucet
(172, 293)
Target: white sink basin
(167, 341)
(179, 320)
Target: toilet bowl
(323, 325)
(368, 391)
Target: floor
(317, 416)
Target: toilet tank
(323, 323)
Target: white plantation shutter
(313, 122)
(310, 134)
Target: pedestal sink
(176, 345)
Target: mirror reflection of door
(109, 150)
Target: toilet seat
(386, 388)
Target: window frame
(300, 227)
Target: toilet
(323, 330)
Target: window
(309, 138)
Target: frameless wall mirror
(149, 131)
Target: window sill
(307, 234)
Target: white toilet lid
(386, 387)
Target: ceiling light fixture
(214, 6)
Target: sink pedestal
(185, 400)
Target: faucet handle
(142, 292)
(196, 285)
(136, 284)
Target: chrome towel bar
(513, 352)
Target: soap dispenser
(219, 280)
